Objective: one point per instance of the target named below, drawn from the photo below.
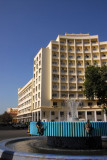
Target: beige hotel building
(58, 76)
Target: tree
(95, 85)
(5, 117)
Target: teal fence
(70, 129)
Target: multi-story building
(25, 102)
(58, 75)
(13, 112)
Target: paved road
(12, 133)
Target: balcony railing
(55, 71)
(55, 79)
(63, 56)
(55, 63)
(63, 79)
(63, 71)
(70, 57)
(54, 48)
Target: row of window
(29, 94)
(24, 92)
(90, 113)
(24, 110)
(81, 104)
(37, 58)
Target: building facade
(58, 76)
(25, 102)
(13, 112)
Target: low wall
(70, 129)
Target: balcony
(104, 63)
(78, 43)
(79, 57)
(54, 48)
(79, 65)
(71, 95)
(94, 43)
(64, 95)
(70, 43)
(71, 57)
(103, 56)
(87, 64)
(63, 88)
(95, 57)
(72, 79)
(86, 50)
(103, 49)
(87, 57)
(63, 57)
(62, 42)
(55, 71)
(95, 49)
(55, 63)
(55, 88)
(72, 88)
(95, 64)
(62, 49)
(79, 72)
(63, 71)
(78, 50)
(55, 79)
(80, 80)
(63, 64)
(54, 95)
(55, 56)
(86, 43)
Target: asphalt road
(6, 133)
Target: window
(54, 95)
(71, 95)
(61, 114)
(98, 112)
(54, 103)
(80, 95)
(69, 113)
(89, 103)
(39, 55)
(79, 87)
(39, 86)
(81, 104)
(98, 103)
(39, 95)
(79, 113)
(39, 63)
(52, 113)
(89, 113)
(43, 114)
(62, 103)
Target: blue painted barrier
(70, 129)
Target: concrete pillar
(59, 116)
(95, 116)
(41, 115)
(86, 115)
(50, 116)
(105, 117)
(32, 116)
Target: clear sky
(28, 25)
